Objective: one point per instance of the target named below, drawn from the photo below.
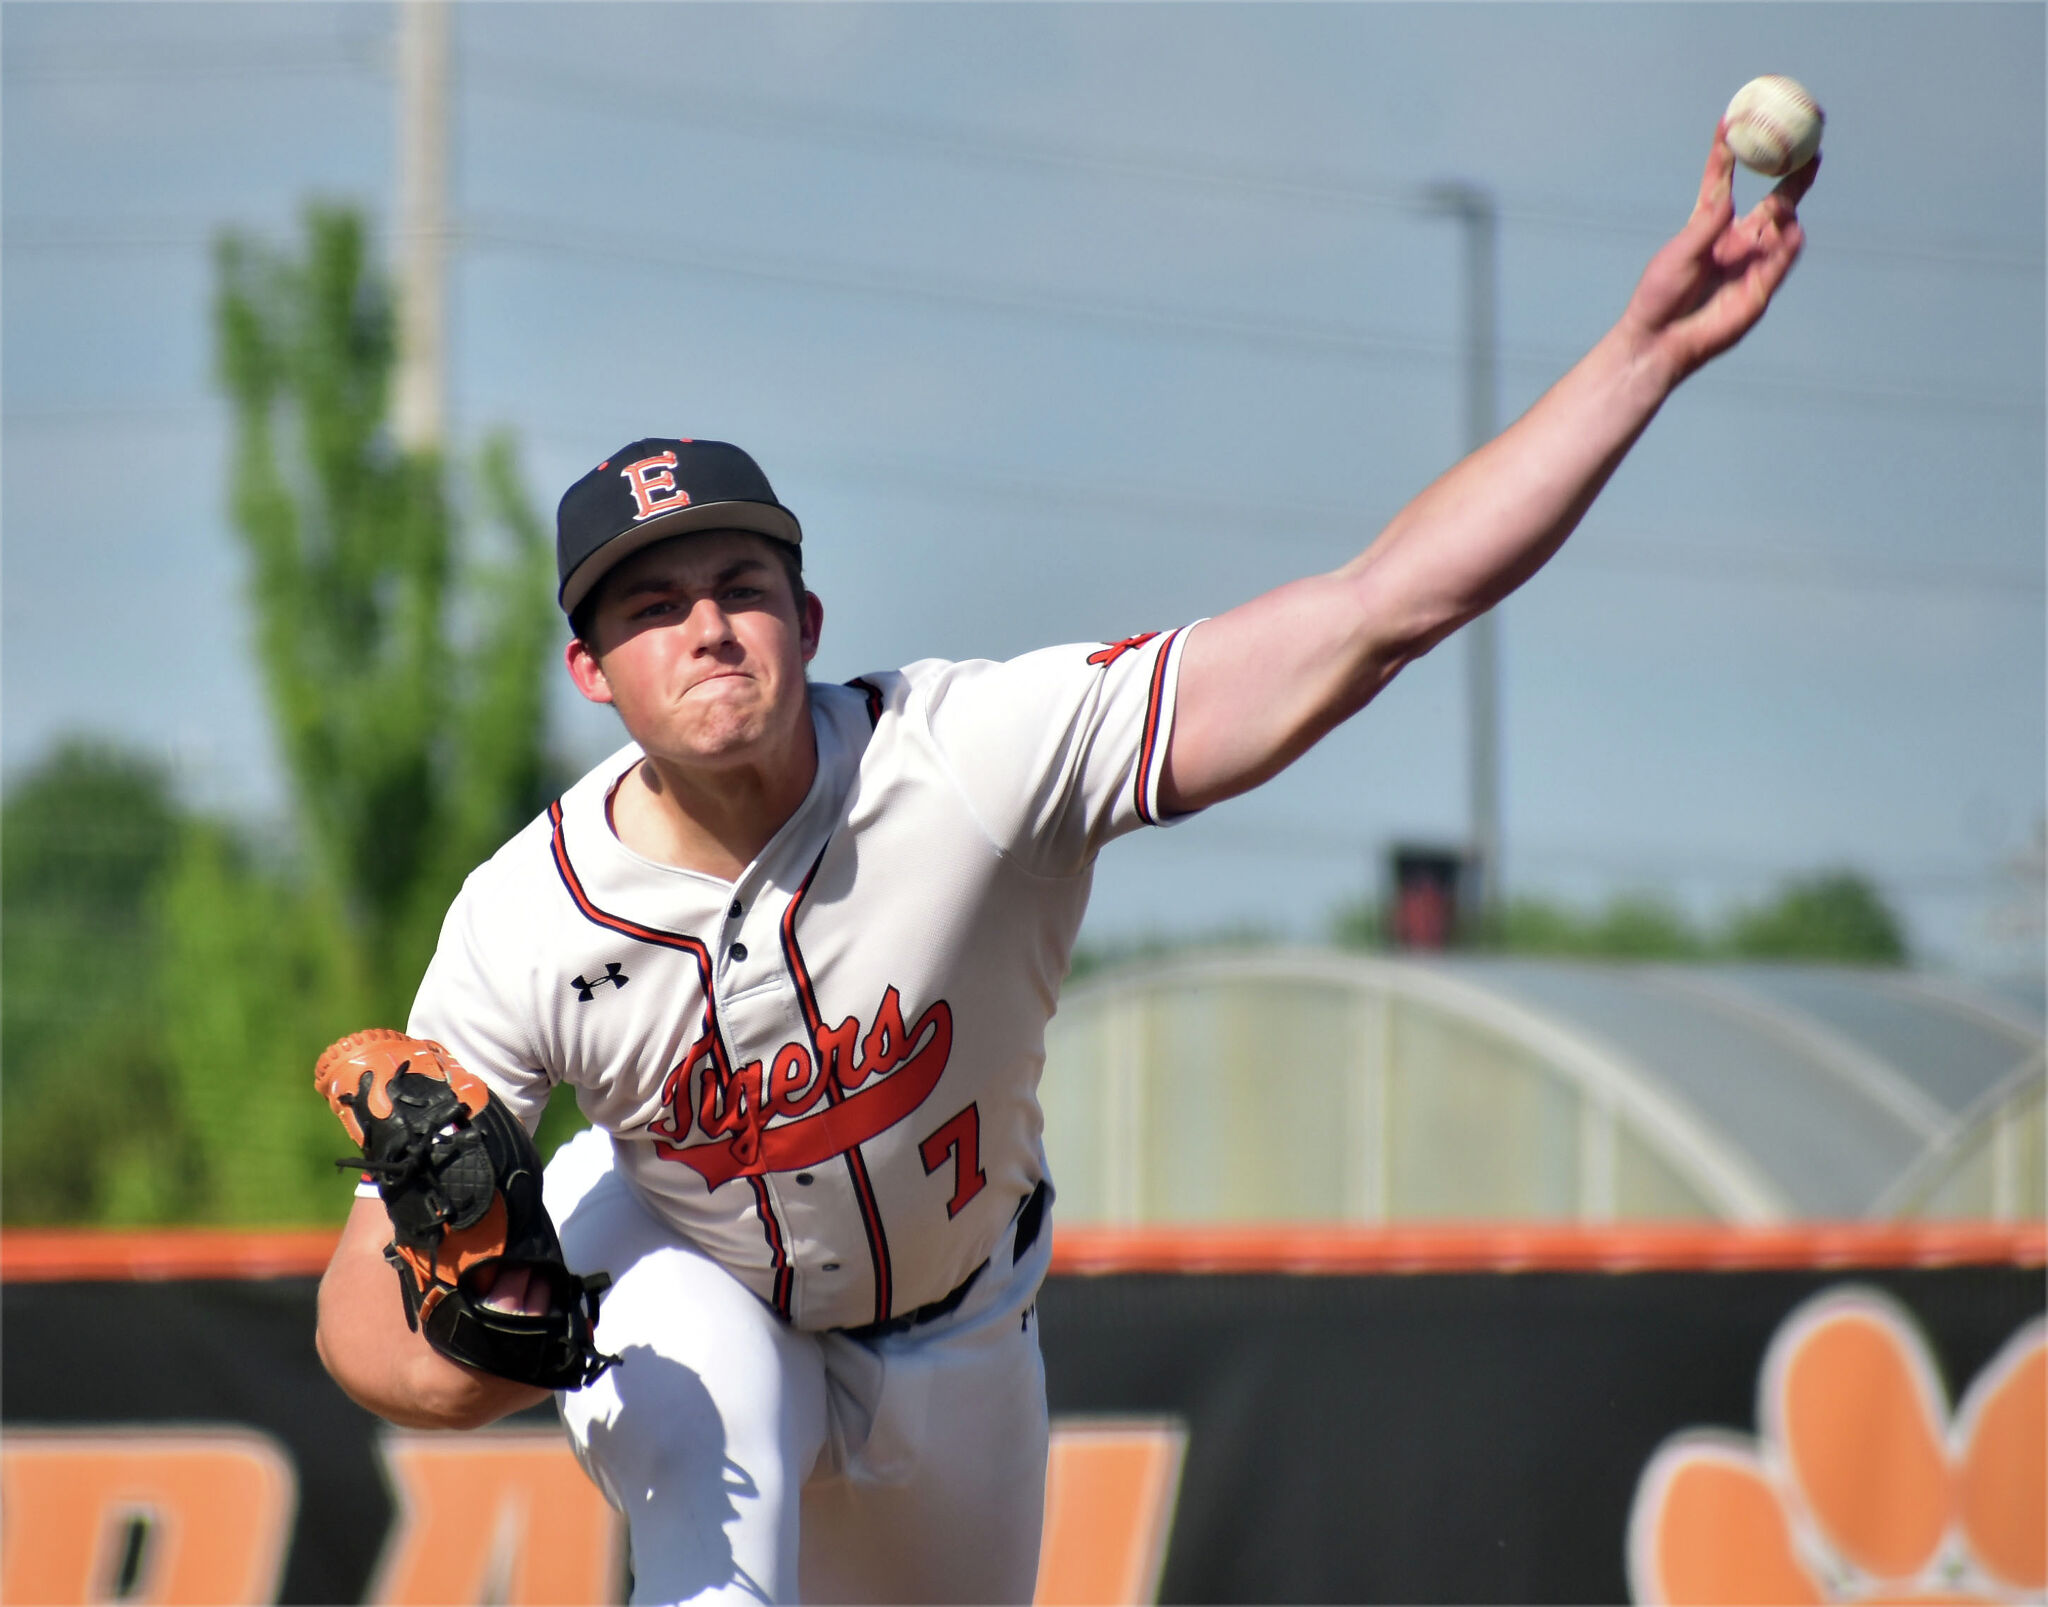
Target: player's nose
(709, 626)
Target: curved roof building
(1302, 1084)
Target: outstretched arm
(1262, 683)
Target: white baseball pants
(755, 1462)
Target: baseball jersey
(824, 1074)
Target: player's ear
(586, 672)
(812, 625)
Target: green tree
(405, 676)
(406, 687)
(1832, 915)
(1631, 926)
(256, 975)
(1358, 923)
(1836, 915)
(90, 1128)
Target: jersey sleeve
(1062, 750)
(461, 1003)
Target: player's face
(700, 645)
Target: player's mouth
(715, 678)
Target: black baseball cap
(653, 489)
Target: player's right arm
(379, 1361)
(1260, 684)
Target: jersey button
(805, 1178)
(738, 952)
(831, 1266)
(735, 911)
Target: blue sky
(1058, 322)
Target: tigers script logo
(815, 1099)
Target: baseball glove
(461, 1181)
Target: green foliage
(406, 687)
(1359, 923)
(88, 1128)
(1635, 926)
(406, 684)
(254, 980)
(167, 989)
(1832, 916)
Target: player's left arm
(1262, 683)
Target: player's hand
(1712, 282)
(517, 1290)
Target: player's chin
(714, 738)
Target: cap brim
(760, 518)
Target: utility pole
(1478, 218)
(421, 403)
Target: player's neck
(714, 821)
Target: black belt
(1030, 1218)
(930, 1312)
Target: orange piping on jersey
(860, 683)
(1140, 784)
(1545, 1247)
(778, 1254)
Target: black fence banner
(1571, 1416)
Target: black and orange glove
(461, 1181)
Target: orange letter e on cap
(653, 484)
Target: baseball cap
(653, 489)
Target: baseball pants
(755, 1462)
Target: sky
(1059, 322)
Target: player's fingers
(1779, 262)
(1760, 283)
(1717, 183)
(517, 1290)
(1792, 188)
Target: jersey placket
(763, 1003)
(715, 964)
(854, 1163)
(739, 976)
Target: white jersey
(824, 1075)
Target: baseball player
(794, 946)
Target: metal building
(1314, 1085)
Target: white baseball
(1774, 125)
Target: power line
(1314, 337)
(714, 108)
(1323, 526)
(366, 56)
(1317, 526)
(707, 106)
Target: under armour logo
(586, 991)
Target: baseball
(1774, 125)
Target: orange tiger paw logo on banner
(1860, 1486)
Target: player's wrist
(1646, 364)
